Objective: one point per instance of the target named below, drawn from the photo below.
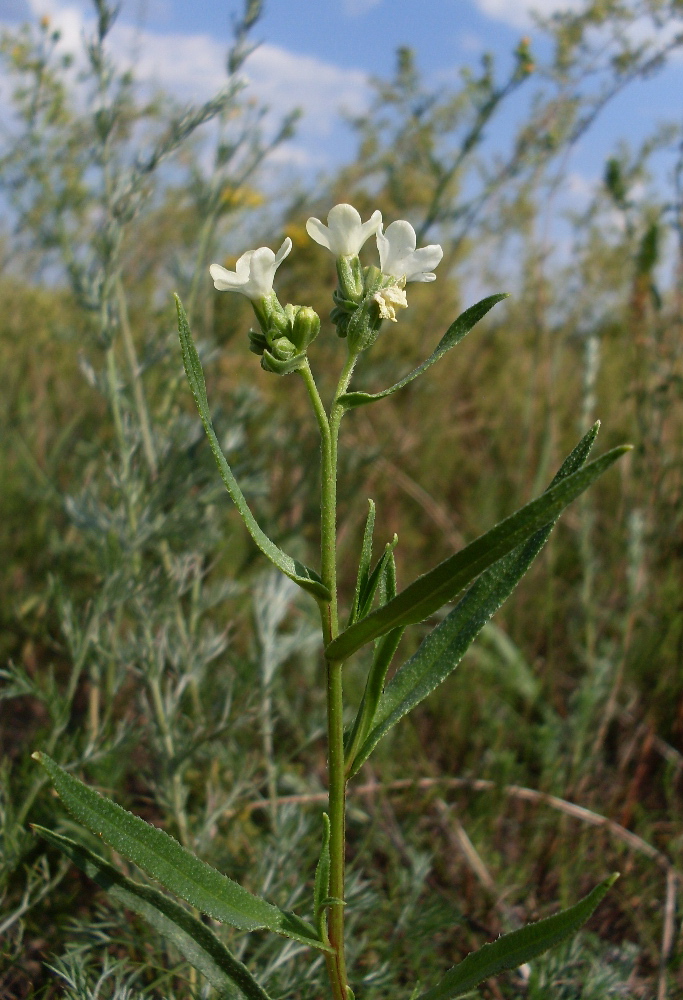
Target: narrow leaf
(385, 650)
(306, 578)
(455, 333)
(365, 560)
(513, 950)
(165, 860)
(368, 593)
(321, 890)
(193, 939)
(430, 592)
(441, 651)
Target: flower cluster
(364, 298)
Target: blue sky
(319, 55)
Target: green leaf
(321, 890)
(306, 578)
(370, 589)
(193, 939)
(430, 592)
(513, 950)
(165, 860)
(455, 333)
(385, 648)
(441, 651)
(364, 563)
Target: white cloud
(192, 68)
(518, 12)
(286, 79)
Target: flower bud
(305, 328)
(283, 349)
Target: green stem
(329, 433)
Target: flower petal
(318, 232)
(283, 252)
(261, 273)
(399, 258)
(224, 280)
(422, 261)
(345, 230)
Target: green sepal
(164, 859)
(350, 278)
(439, 586)
(455, 333)
(193, 939)
(443, 649)
(306, 578)
(363, 326)
(257, 342)
(513, 950)
(321, 887)
(270, 363)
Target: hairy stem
(329, 433)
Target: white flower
(389, 300)
(344, 233)
(253, 274)
(398, 256)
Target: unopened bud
(283, 349)
(305, 328)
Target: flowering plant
(480, 576)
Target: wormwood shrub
(484, 572)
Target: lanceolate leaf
(385, 649)
(306, 578)
(430, 592)
(513, 950)
(165, 860)
(192, 938)
(368, 593)
(442, 650)
(321, 890)
(364, 562)
(455, 333)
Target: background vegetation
(143, 640)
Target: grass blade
(513, 950)
(439, 654)
(430, 592)
(164, 859)
(193, 939)
(453, 335)
(305, 577)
